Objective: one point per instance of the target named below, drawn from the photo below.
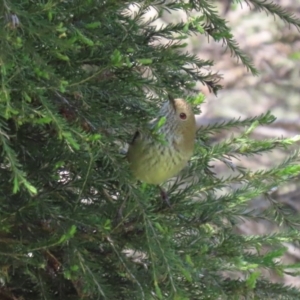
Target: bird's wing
(135, 136)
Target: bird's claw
(165, 197)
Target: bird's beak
(172, 101)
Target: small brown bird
(153, 160)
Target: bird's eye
(182, 116)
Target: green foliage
(77, 79)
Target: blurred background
(275, 50)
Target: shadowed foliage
(77, 79)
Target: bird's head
(180, 118)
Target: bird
(160, 154)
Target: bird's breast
(154, 162)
